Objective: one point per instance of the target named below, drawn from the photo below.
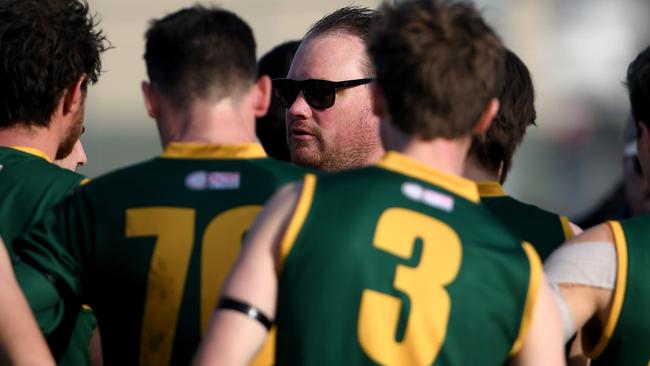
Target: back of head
(45, 47)
(495, 150)
(638, 84)
(200, 53)
(350, 20)
(438, 65)
(271, 129)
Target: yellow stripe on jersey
(534, 282)
(33, 151)
(402, 164)
(490, 189)
(298, 219)
(192, 150)
(84, 181)
(566, 227)
(619, 290)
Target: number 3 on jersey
(426, 327)
(174, 228)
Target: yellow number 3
(396, 233)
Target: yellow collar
(193, 150)
(32, 151)
(402, 164)
(490, 189)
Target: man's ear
(262, 95)
(486, 118)
(379, 107)
(73, 97)
(150, 99)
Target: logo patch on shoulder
(429, 197)
(201, 180)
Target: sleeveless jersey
(398, 264)
(153, 243)
(626, 335)
(30, 185)
(543, 229)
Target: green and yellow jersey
(626, 335)
(30, 185)
(543, 229)
(149, 246)
(399, 264)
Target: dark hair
(638, 85)
(438, 64)
(45, 46)
(272, 129)
(200, 53)
(351, 20)
(516, 113)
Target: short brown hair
(200, 53)
(350, 20)
(438, 63)
(516, 113)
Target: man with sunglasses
(416, 272)
(330, 124)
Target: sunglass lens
(319, 96)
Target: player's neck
(474, 171)
(215, 124)
(445, 155)
(40, 138)
(442, 154)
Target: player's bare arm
(21, 342)
(585, 295)
(234, 338)
(543, 344)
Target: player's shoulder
(50, 176)
(599, 233)
(284, 168)
(140, 171)
(519, 207)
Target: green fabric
(29, 186)
(333, 260)
(83, 243)
(539, 227)
(630, 342)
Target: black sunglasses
(319, 94)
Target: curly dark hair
(516, 113)
(200, 52)
(45, 46)
(638, 86)
(438, 64)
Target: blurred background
(577, 52)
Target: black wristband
(246, 309)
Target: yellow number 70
(175, 227)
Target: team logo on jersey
(197, 181)
(223, 180)
(201, 180)
(427, 196)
